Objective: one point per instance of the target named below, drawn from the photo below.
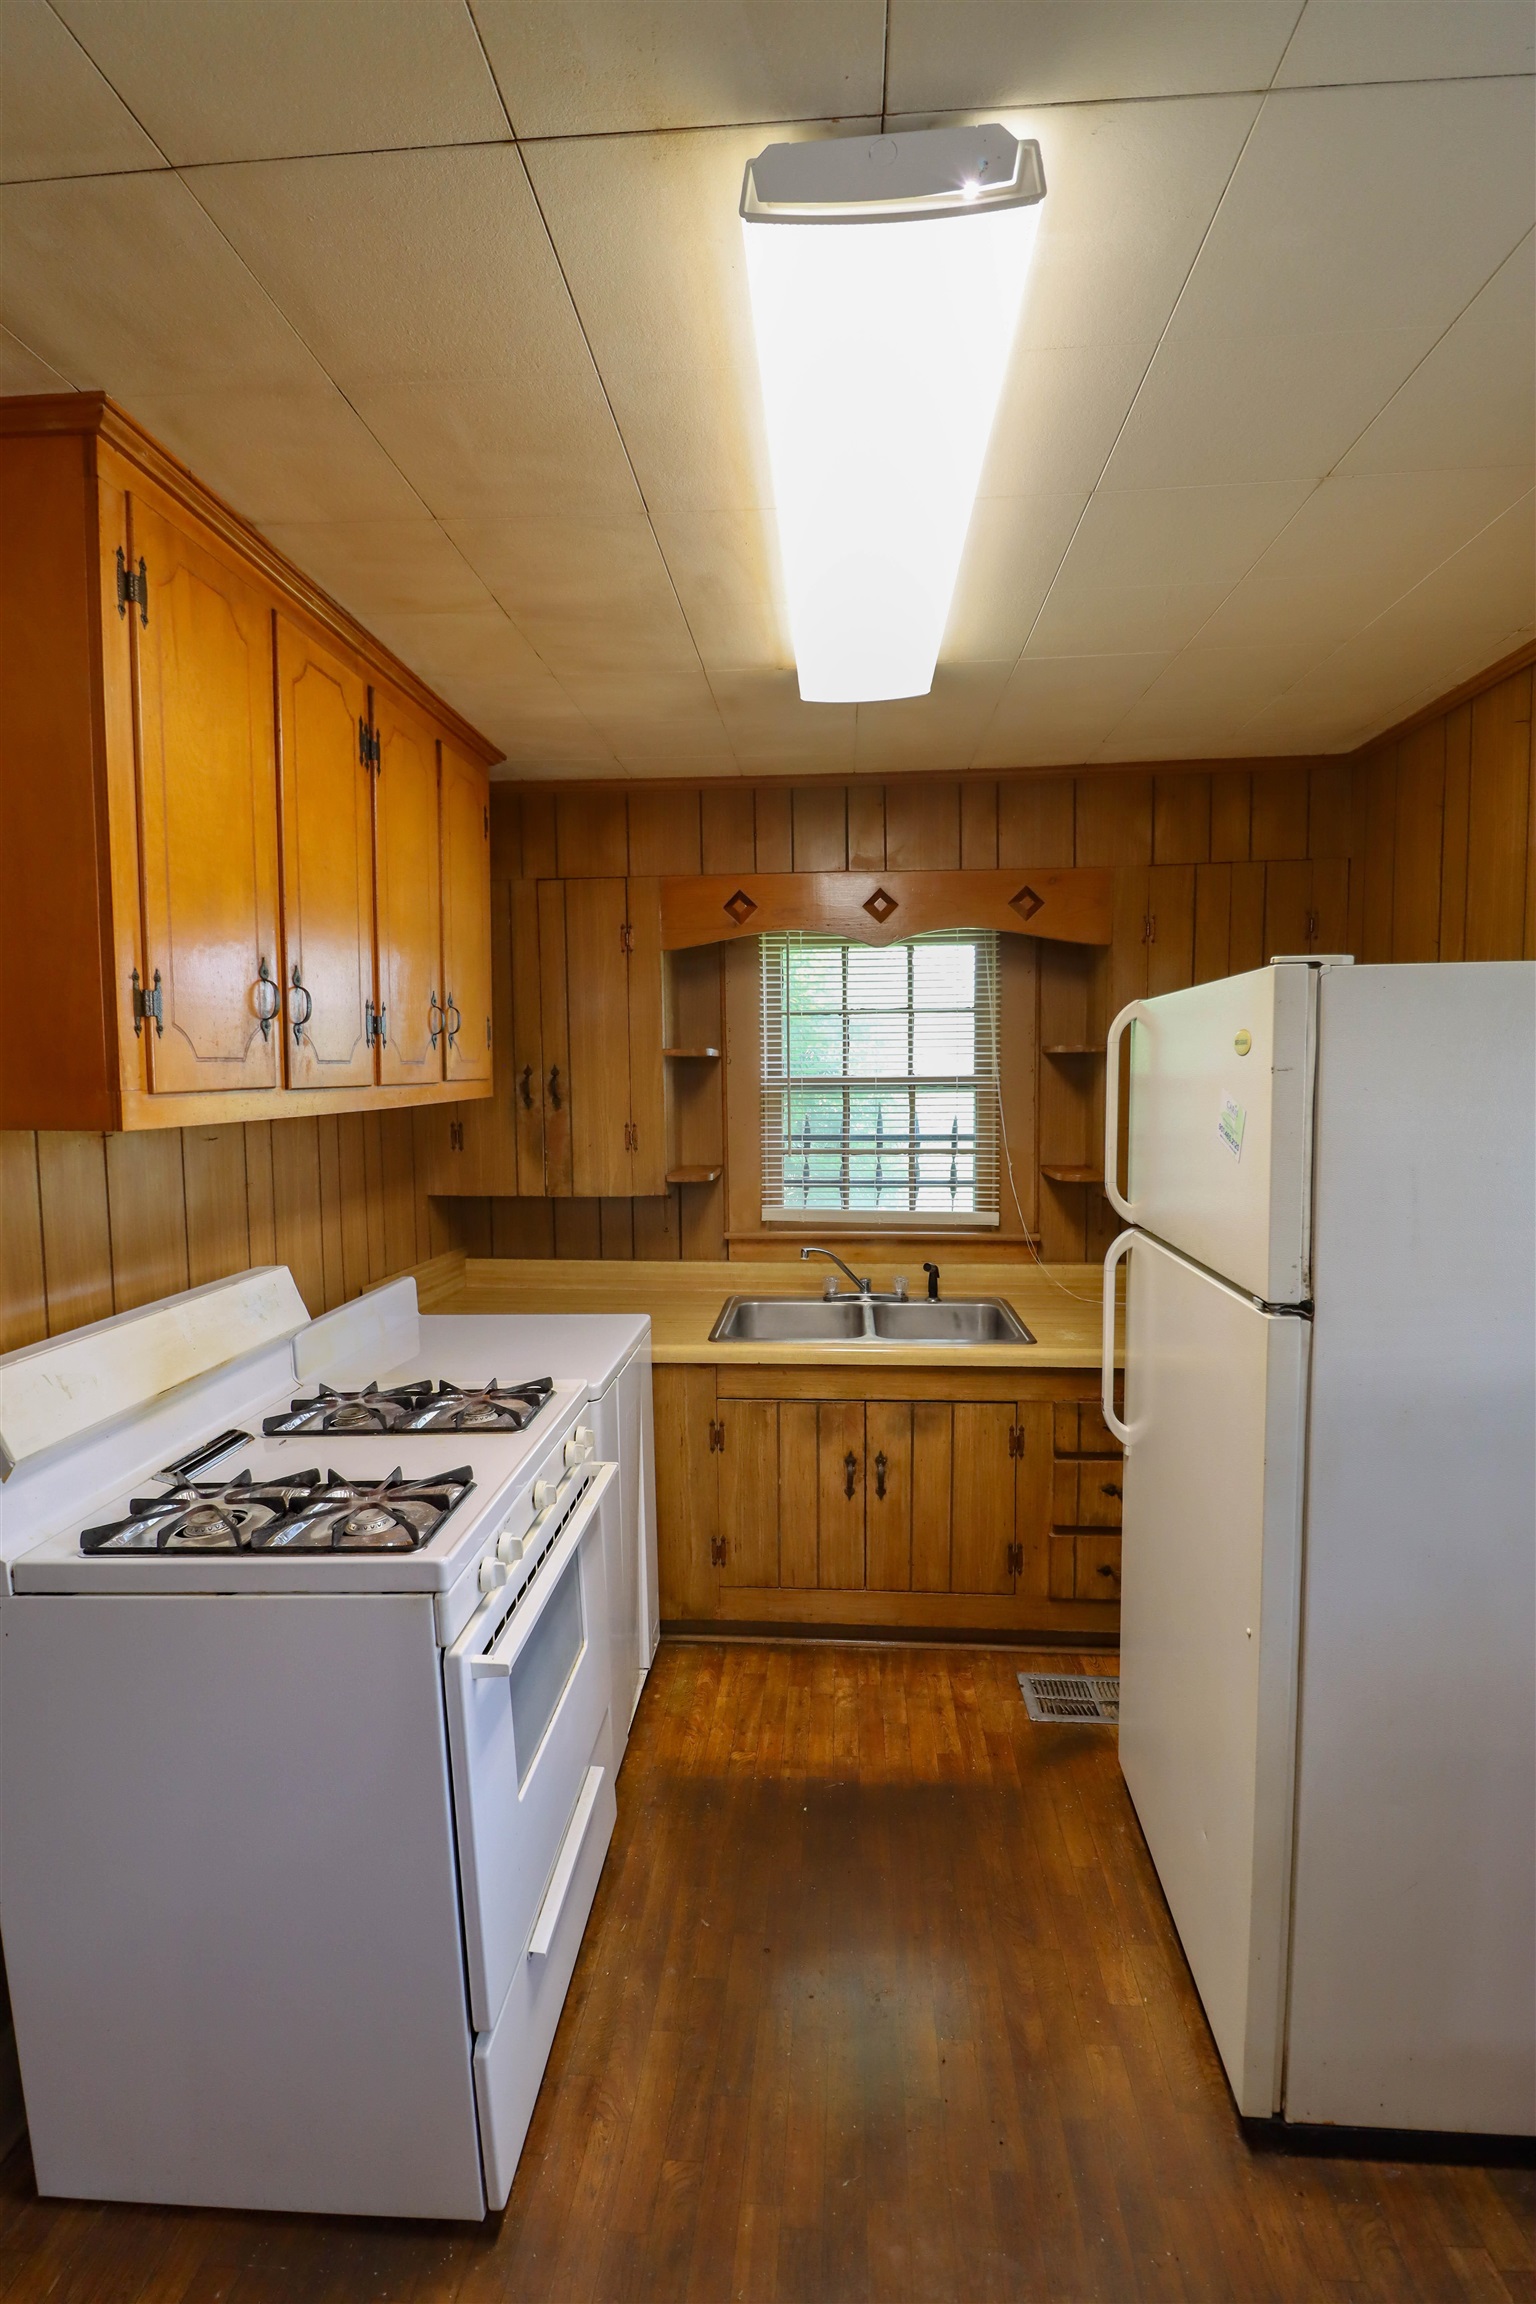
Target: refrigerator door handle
(1117, 1031)
(1121, 1247)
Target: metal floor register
(1082, 1696)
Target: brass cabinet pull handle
(435, 1018)
(268, 999)
(451, 1017)
(301, 992)
(880, 1475)
(525, 1087)
(554, 1086)
(850, 1472)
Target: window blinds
(879, 1079)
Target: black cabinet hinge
(717, 1551)
(716, 1438)
(147, 1004)
(626, 936)
(368, 746)
(373, 1024)
(1015, 1559)
(1015, 1439)
(455, 1135)
(132, 586)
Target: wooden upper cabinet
(597, 1011)
(180, 769)
(466, 835)
(327, 797)
(208, 812)
(406, 865)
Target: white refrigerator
(1328, 1643)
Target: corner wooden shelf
(694, 1175)
(1071, 1175)
(694, 1055)
(1072, 1048)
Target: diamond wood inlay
(740, 907)
(1026, 903)
(880, 906)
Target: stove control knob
(493, 1574)
(578, 1449)
(511, 1548)
(543, 1495)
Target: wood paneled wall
(93, 1224)
(1419, 848)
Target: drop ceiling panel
(384, 568)
(22, 371)
(940, 730)
(1134, 536)
(723, 566)
(476, 644)
(1057, 708)
(282, 455)
(770, 730)
(958, 54)
(1092, 618)
(1012, 552)
(1339, 40)
(593, 600)
(123, 284)
(595, 69)
(1472, 399)
(265, 79)
(58, 116)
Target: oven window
(540, 1674)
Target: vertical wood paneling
(1231, 816)
(578, 1228)
(664, 833)
(1453, 854)
(539, 858)
(616, 1227)
(23, 1295)
(523, 1227)
(352, 1155)
(147, 1212)
(296, 1197)
(218, 1226)
(1378, 801)
(1213, 921)
(260, 1210)
(506, 833)
(591, 836)
(1171, 914)
(1418, 843)
(1181, 820)
(819, 828)
(398, 1139)
(77, 1237)
(866, 827)
(1498, 820)
(658, 1225)
(978, 827)
(922, 826)
(1330, 807)
(727, 828)
(774, 833)
(1279, 824)
(1287, 908)
(332, 1252)
(1245, 946)
(373, 1168)
(1035, 821)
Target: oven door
(527, 1686)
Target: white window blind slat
(880, 1079)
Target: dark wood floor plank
(879, 2004)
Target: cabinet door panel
(521, 1026)
(840, 1496)
(1098, 1568)
(466, 823)
(553, 1029)
(799, 1476)
(749, 1491)
(597, 1012)
(983, 1499)
(208, 811)
(406, 850)
(1034, 1468)
(687, 1493)
(327, 790)
(648, 1127)
(888, 1495)
(1098, 1494)
(932, 1438)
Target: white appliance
(306, 1780)
(1328, 1642)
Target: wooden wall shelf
(694, 1175)
(1062, 1174)
(694, 1055)
(1071, 1048)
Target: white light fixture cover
(886, 275)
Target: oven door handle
(565, 1866)
(499, 1658)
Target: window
(879, 1080)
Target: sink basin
(848, 1320)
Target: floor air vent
(1071, 1695)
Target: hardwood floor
(879, 2000)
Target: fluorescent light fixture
(886, 276)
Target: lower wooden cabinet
(821, 1499)
(1087, 1484)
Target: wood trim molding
(96, 415)
(1071, 905)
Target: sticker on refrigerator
(1229, 1126)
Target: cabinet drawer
(1084, 1567)
(1080, 1430)
(1085, 1493)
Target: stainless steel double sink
(865, 1320)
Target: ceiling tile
(724, 566)
(1012, 552)
(1354, 210)
(940, 730)
(521, 445)
(58, 116)
(769, 727)
(474, 644)
(1097, 618)
(1059, 416)
(649, 238)
(383, 568)
(1205, 694)
(1472, 400)
(123, 285)
(1339, 40)
(22, 371)
(1059, 708)
(953, 54)
(1135, 536)
(591, 599)
(281, 456)
(595, 69)
(549, 737)
(263, 79)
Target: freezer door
(1220, 1128)
(1215, 1402)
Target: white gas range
(307, 1746)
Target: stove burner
(300, 1512)
(419, 1407)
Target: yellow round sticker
(1243, 1043)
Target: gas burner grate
(1092, 1697)
(300, 1513)
(418, 1407)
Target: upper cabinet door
(466, 817)
(208, 813)
(406, 850)
(647, 1109)
(327, 789)
(597, 1010)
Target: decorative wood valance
(1070, 904)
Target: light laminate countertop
(1059, 1304)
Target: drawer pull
(560, 1879)
(850, 1473)
(879, 1476)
